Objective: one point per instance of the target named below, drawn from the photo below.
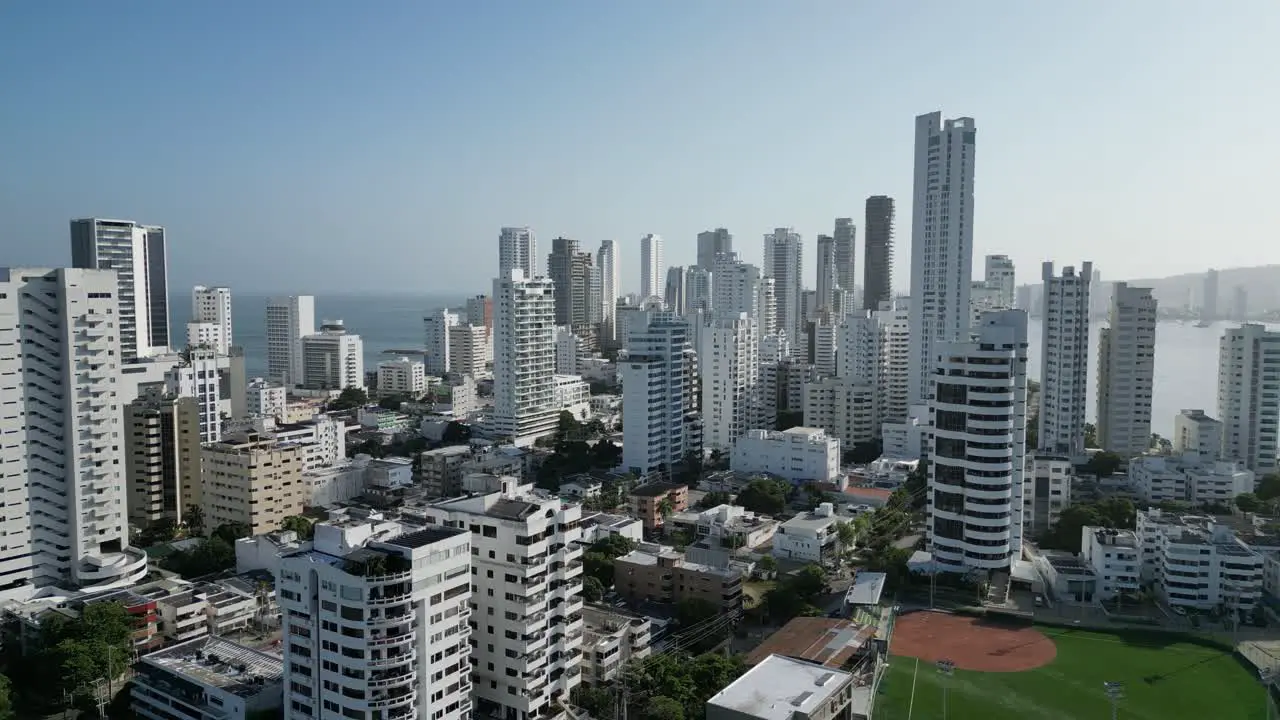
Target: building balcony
(394, 678)
(403, 658)
(394, 697)
(398, 640)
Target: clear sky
(380, 145)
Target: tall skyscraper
(673, 296)
(712, 244)
(1248, 407)
(1240, 304)
(782, 262)
(828, 280)
(561, 268)
(735, 288)
(895, 360)
(438, 326)
(333, 359)
(1000, 279)
(652, 269)
(659, 374)
(64, 472)
(1064, 360)
(162, 446)
(524, 358)
(289, 319)
(976, 465)
(480, 311)
(698, 283)
(518, 249)
(877, 265)
(729, 366)
(607, 262)
(846, 254)
(1126, 371)
(139, 255)
(1209, 304)
(210, 324)
(941, 241)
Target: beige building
(252, 479)
(654, 501)
(657, 573)
(162, 457)
(611, 639)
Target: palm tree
(666, 508)
(194, 518)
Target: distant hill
(1262, 283)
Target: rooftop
(866, 589)
(220, 663)
(448, 451)
(654, 489)
(811, 520)
(424, 537)
(826, 641)
(511, 509)
(777, 687)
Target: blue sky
(322, 146)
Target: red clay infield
(971, 643)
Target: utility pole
(1267, 676)
(1115, 691)
(946, 668)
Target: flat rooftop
(811, 520)
(778, 687)
(866, 589)
(424, 537)
(654, 489)
(825, 641)
(222, 664)
(510, 509)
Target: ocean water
(1186, 356)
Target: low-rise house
(660, 574)
(598, 526)
(207, 678)
(654, 501)
(442, 469)
(783, 688)
(808, 537)
(1195, 562)
(1115, 556)
(611, 639)
(731, 526)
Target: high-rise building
(977, 446)
(845, 240)
(1064, 360)
(333, 359)
(1248, 406)
(711, 245)
(289, 319)
(402, 378)
(470, 350)
(480, 311)
(162, 457)
(729, 366)
(570, 288)
(1240, 304)
(210, 324)
(782, 262)
(527, 579)
(651, 266)
(736, 288)
(698, 284)
(894, 321)
(518, 249)
(65, 470)
(252, 479)
(659, 374)
(607, 264)
(217, 382)
(828, 279)
(524, 358)
(265, 399)
(140, 257)
(438, 325)
(1209, 304)
(941, 241)
(376, 620)
(1000, 277)
(877, 263)
(673, 297)
(1126, 371)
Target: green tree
(392, 403)
(808, 582)
(660, 707)
(592, 588)
(456, 433)
(764, 496)
(597, 701)
(846, 535)
(1103, 464)
(1268, 487)
(767, 564)
(688, 680)
(1065, 534)
(666, 508)
(1033, 432)
(211, 555)
(788, 419)
(305, 527)
(613, 546)
(350, 398)
(6, 699)
(231, 532)
(1090, 435)
(713, 499)
(1249, 503)
(692, 611)
(863, 453)
(915, 489)
(194, 519)
(161, 531)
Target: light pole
(1115, 691)
(1267, 676)
(946, 668)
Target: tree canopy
(687, 680)
(350, 398)
(597, 561)
(863, 453)
(305, 527)
(765, 496)
(1103, 464)
(1268, 487)
(71, 654)
(1116, 513)
(713, 499)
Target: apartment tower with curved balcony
(976, 451)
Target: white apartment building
(322, 438)
(139, 256)
(611, 639)
(1116, 559)
(1197, 563)
(1047, 491)
(661, 423)
(736, 288)
(983, 298)
(570, 349)
(266, 399)
(572, 394)
(479, 311)
(800, 689)
(894, 369)
(59, 374)
(402, 377)
(1249, 396)
(375, 621)
(783, 251)
(205, 676)
(607, 266)
(437, 327)
(728, 362)
(524, 358)
(1197, 434)
(333, 359)
(527, 578)
(698, 289)
(210, 318)
(470, 350)
(1126, 371)
(941, 241)
(844, 408)
(977, 446)
(216, 382)
(809, 537)
(824, 338)
(1000, 276)
(1188, 478)
(289, 319)
(652, 267)
(801, 454)
(518, 250)
(1064, 357)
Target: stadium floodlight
(1115, 691)
(946, 668)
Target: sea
(1186, 372)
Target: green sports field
(1165, 678)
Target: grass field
(1165, 678)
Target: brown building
(657, 573)
(647, 502)
(252, 479)
(162, 457)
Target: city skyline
(414, 159)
